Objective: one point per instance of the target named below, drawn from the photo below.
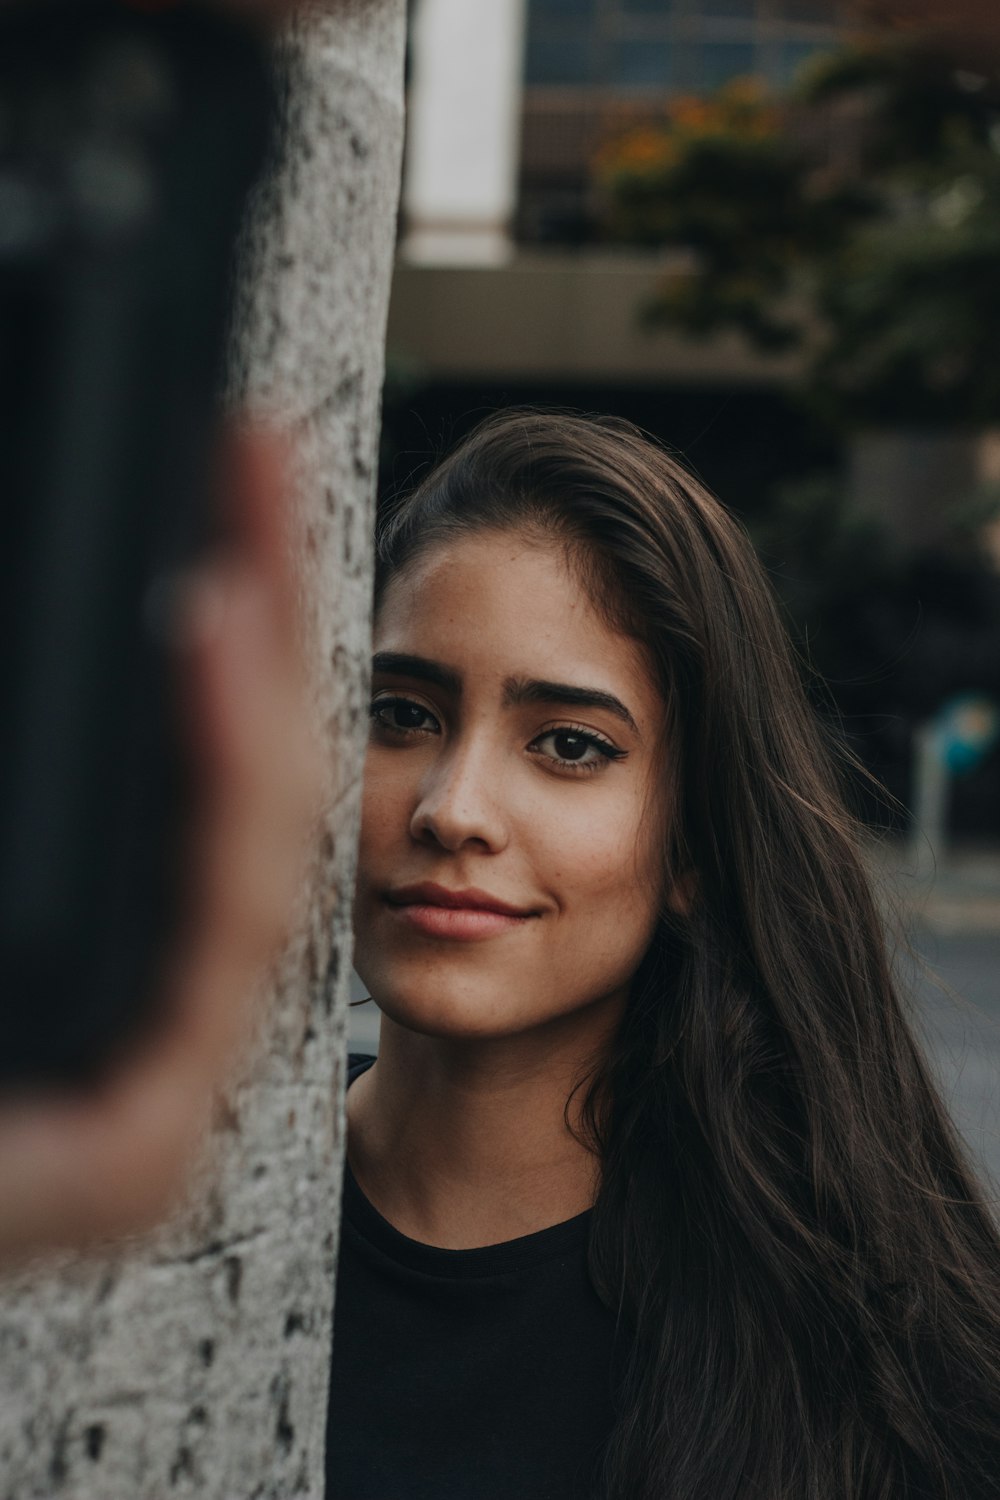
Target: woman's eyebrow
(535, 690)
(402, 664)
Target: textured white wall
(195, 1364)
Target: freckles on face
(513, 812)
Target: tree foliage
(857, 220)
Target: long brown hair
(806, 1274)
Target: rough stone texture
(195, 1363)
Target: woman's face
(513, 821)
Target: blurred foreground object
(128, 147)
(156, 781)
(90, 1161)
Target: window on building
(740, 9)
(643, 65)
(652, 46)
(558, 10)
(559, 61)
(721, 62)
(820, 11)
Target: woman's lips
(465, 915)
(464, 922)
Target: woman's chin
(450, 1017)
(444, 1022)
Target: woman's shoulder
(358, 1063)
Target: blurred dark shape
(891, 631)
(127, 144)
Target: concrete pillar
(460, 181)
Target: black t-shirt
(464, 1374)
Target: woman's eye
(401, 715)
(577, 749)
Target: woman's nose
(460, 801)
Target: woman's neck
(464, 1143)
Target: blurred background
(767, 231)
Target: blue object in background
(966, 730)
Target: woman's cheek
(608, 851)
(389, 787)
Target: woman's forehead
(509, 582)
(503, 605)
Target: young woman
(650, 1196)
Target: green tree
(857, 220)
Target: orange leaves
(742, 109)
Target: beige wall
(560, 315)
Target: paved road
(961, 1021)
(959, 1014)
